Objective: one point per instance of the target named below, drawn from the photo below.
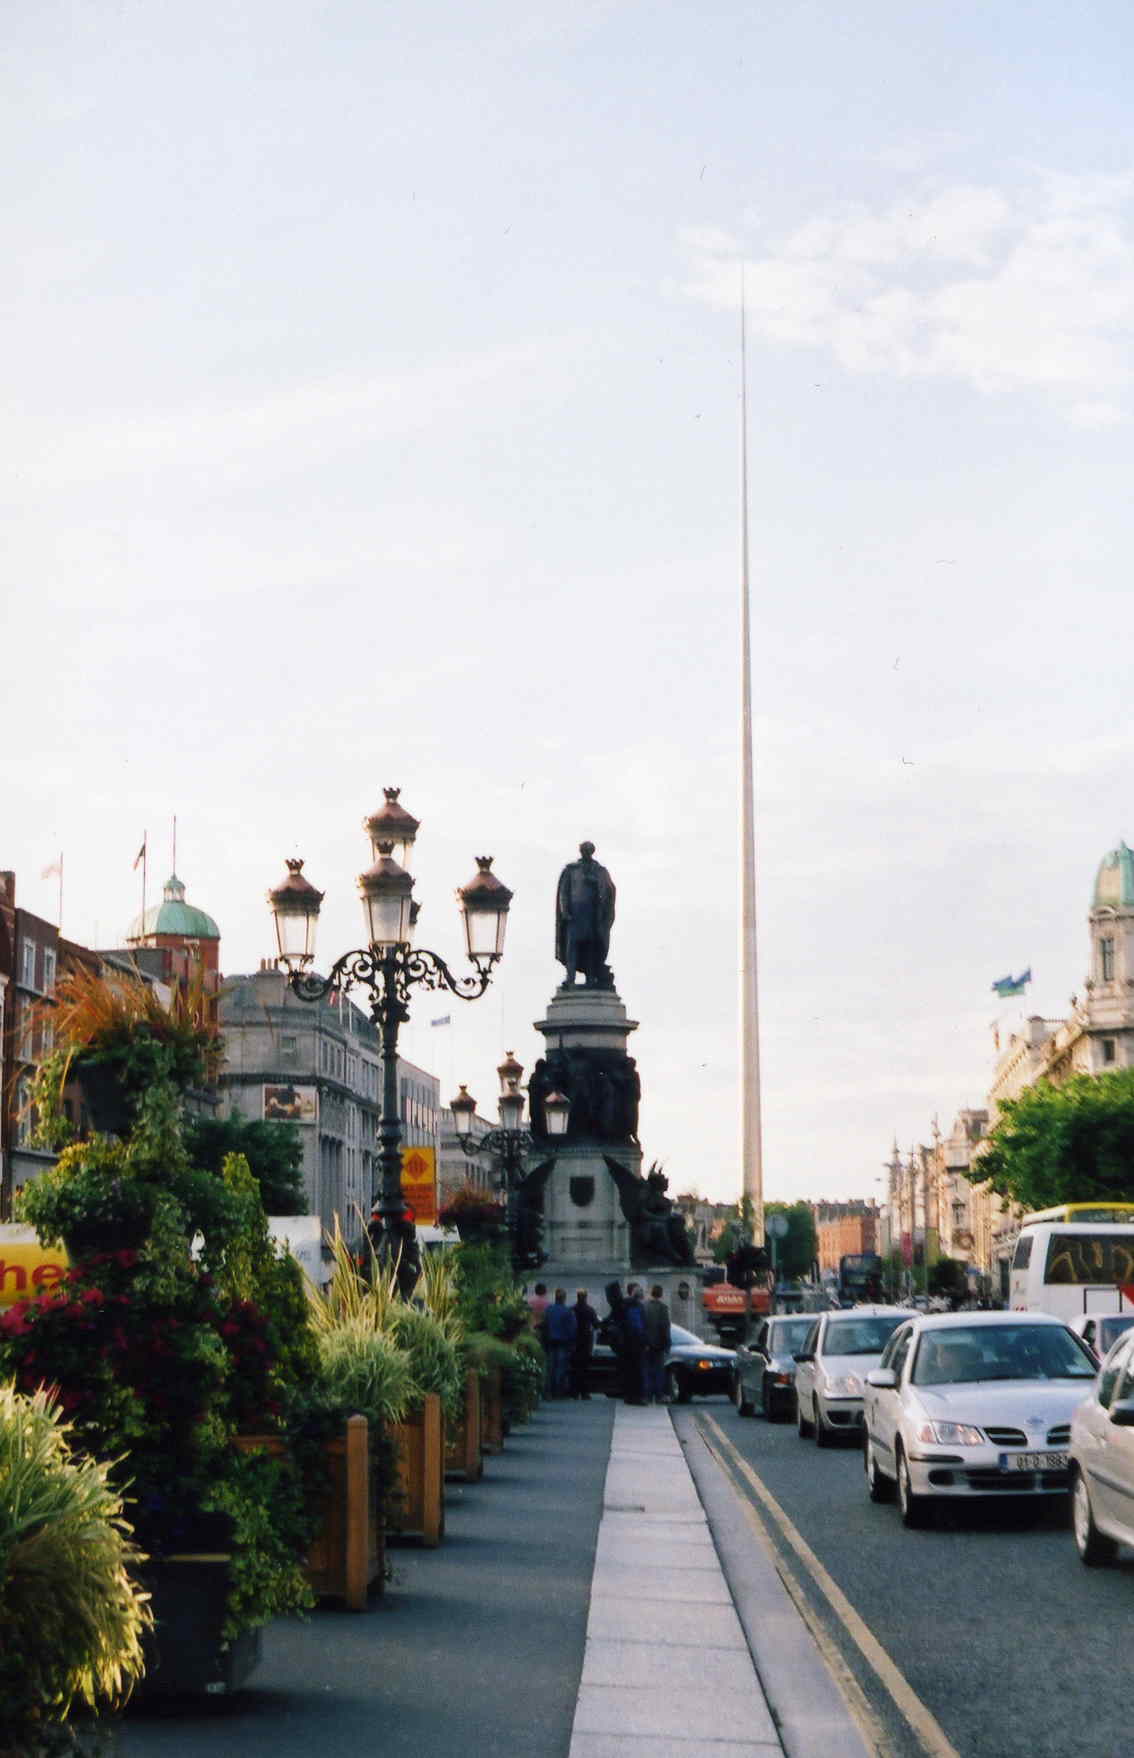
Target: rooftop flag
(141, 855)
(1004, 986)
(446, 1019)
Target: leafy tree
(273, 1150)
(797, 1251)
(1073, 1143)
(947, 1277)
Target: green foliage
(273, 1150)
(363, 1371)
(435, 1362)
(797, 1251)
(947, 1276)
(488, 1297)
(71, 1616)
(1073, 1143)
(262, 1500)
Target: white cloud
(1000, 290)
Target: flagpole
(751, 1142)
(145, 848)
(60, 890)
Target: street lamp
(388, 967)
(509, 1144)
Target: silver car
(831, 1368)
(1099, 1330)
(973, 1404)
(1102, 1459)
(763, 1375)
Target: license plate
(1033, 1461)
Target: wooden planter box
(348, 1553)
(492, 1412)
(419, 1444)
(462, 1445)
(186, 1654)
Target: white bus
(1069, 1267)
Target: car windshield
(1110, 1329)
(789, 1335)
(962, 1354)
(863, 1335)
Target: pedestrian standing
(634, 1345)
(586, 1324)
(559, 1327)
(658, 1339)
(538, 1304)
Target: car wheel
(676, 1387)
(823, 1435)
(878, 1488)
(802, 1426)
(1093, 1546)
(912, 1507)
(768, 1401)
(744, 1406)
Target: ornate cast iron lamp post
(388, 967)
(510, 1143)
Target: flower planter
(108, 1105)
(419, 1444)
(348, 1552)
(186, 1654)
(462, 1446)
(480, 1229)
(491, 1412)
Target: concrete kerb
(811, 1713)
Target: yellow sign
(419, 1183)
(25, 1270)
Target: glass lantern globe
(393, 824)
(484, 906)
(463, 1108)
(295, 909)
(385, 890)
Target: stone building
(317, 1064)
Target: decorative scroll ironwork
(389, 977)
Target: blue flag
(1013, 985)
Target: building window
(1106, 960)
(1109, 1050)
(289, 1048)
(49, 970)
(27, 964)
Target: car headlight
(847, 1386)
(950, 1434)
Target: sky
(370, 418)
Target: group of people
(636, 1328)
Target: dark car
(693, 1368)
(764, 1375)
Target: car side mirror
(883, 1379)
(804, 1355)
(1122, 1413)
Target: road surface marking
(920, 1719)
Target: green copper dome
(1114, 883)
(174, 916)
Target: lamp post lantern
(508, 1145)
(388, 966)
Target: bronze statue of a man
(584, 911)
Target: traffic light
(745, 1264)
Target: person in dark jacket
(560, 1330)
(658, 1339)
(586, 1324)
(634, 1345)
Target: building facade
(843, 1229)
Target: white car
(1102, 1458)
(831, 1368)
(973, 1404)
(1100, 1329)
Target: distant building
(843, 1228)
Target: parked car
(763, 1377)
(693, 1368)
(831, 1368)
(973, 1404)
(1100, 1330)
(1102, 1458)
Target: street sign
(776, 1226)
(419, 1182)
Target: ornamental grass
(71, 1617)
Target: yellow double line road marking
(922, 1723)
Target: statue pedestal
(585, 1032)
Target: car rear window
(861, 1336)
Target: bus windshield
(1090, 1259)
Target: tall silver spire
(751, 1143)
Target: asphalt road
(1013, 1647)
